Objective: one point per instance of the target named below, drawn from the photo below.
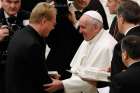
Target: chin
(86, 39)
(12, 13)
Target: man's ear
(122, 19)
(44, 20)
(96, 27)
(125, 55)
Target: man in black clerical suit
(128, 81)
(11, 20)
(26, 70)
(128, 17)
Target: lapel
(2, 17)
(137, 64)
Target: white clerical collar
(129, 29)
(7, 16)
(94, 39)
(74, 8)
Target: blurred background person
(112, 6)
(12, 18)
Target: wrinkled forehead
(84, 19)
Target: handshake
(54, 74)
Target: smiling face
(87, 28)
(48, 25)
(43, 18)
(120, 23)
(11, 7)
(112, 6)
(51, 23)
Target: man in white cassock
(95, 51)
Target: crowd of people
(44, 44)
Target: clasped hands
(55, 85)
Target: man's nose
(12, 5)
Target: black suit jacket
(127, 81)
(25, 68)
(117, 64)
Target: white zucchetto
(94, 14)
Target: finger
(47, 85)
(5, 30)
(50, 90)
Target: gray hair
(96, 22)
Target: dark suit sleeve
(117, 64)
(116, 85)
(37, 73)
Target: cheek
(88, 1)
(123, 59)
(82, 30)
(119, 25)
(90, 34)
(112, 6)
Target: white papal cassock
(94, 53)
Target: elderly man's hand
(54, 86)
